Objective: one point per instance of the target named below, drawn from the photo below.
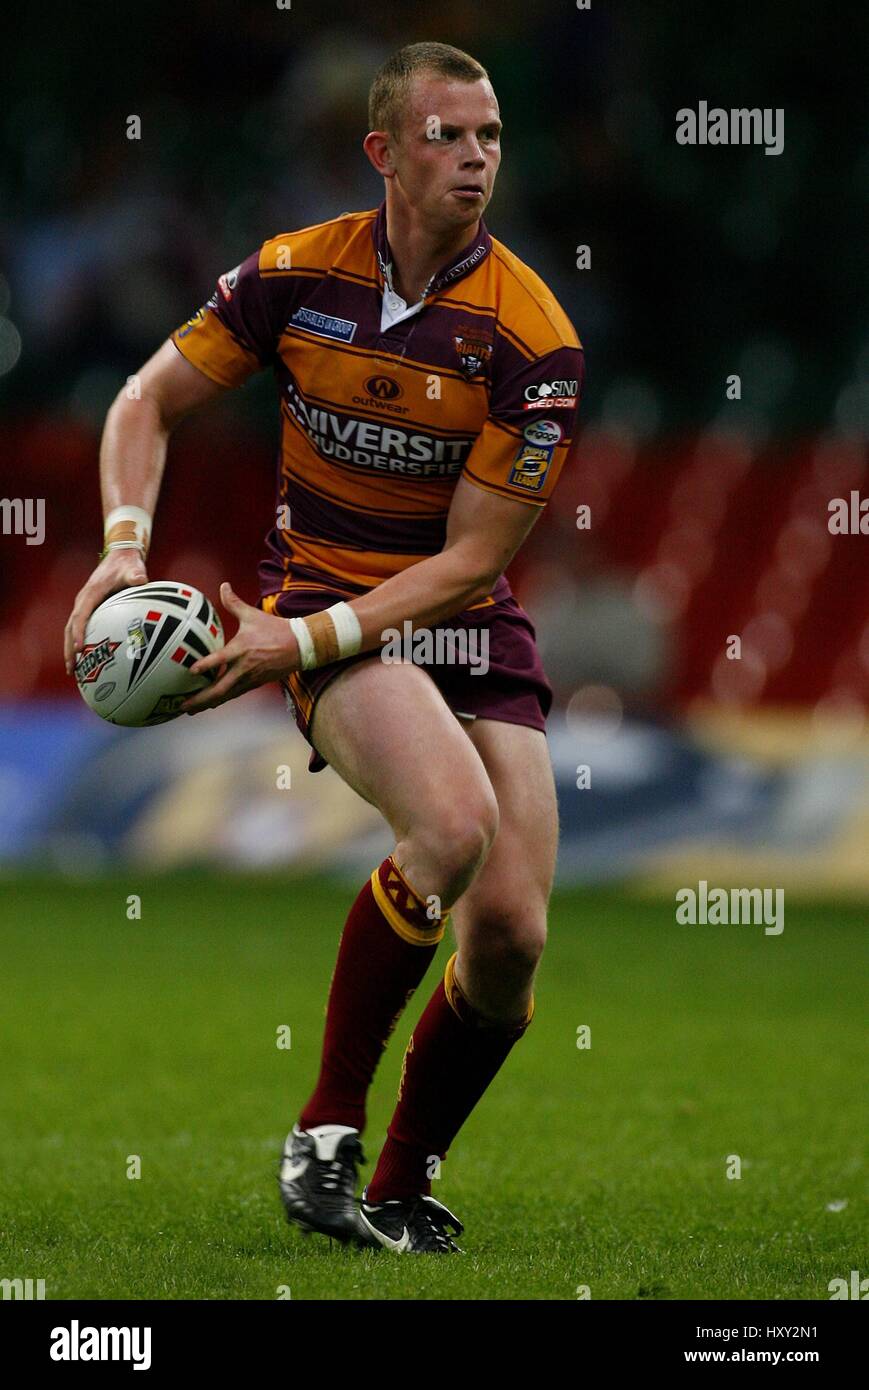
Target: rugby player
(428, 385)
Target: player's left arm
(484, 532)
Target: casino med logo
(228, 282)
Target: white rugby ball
(139, 645)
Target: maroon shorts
(513, 689)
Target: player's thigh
(387, 731)
(504, 909)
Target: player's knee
(458, 836)
(465, 839)
(508, 939)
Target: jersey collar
(461, 265)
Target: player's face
(449, 151)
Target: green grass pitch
(602, 1167)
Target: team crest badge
(474, 353)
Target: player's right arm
(132, 459)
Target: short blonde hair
(390, 89)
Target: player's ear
(377, 147)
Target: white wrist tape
(347, 627)
(327, 636)
(306, 642)
(127, 528)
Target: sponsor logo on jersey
(378, 445)
(227, 283)
(193, 322)
(93, 658)
(385, 388)
(545, 395)
(324, 325)
(530, 467)
(383, 392)
(475, 353)
(542, 432)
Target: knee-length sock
(386, 947)
(451, 1058)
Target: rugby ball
(139, 645)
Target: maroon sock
(386, 947)
(450, 1061)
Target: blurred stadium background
(708, 516)
(708, 520)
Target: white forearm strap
(327, 636)
(127, 528)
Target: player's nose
(474, 157)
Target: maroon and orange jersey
(379, 423)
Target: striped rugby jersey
(382, 411)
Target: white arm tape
(305, 640)
(139, 530)
(347, 627)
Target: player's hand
(264, 649)
(121, 569)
